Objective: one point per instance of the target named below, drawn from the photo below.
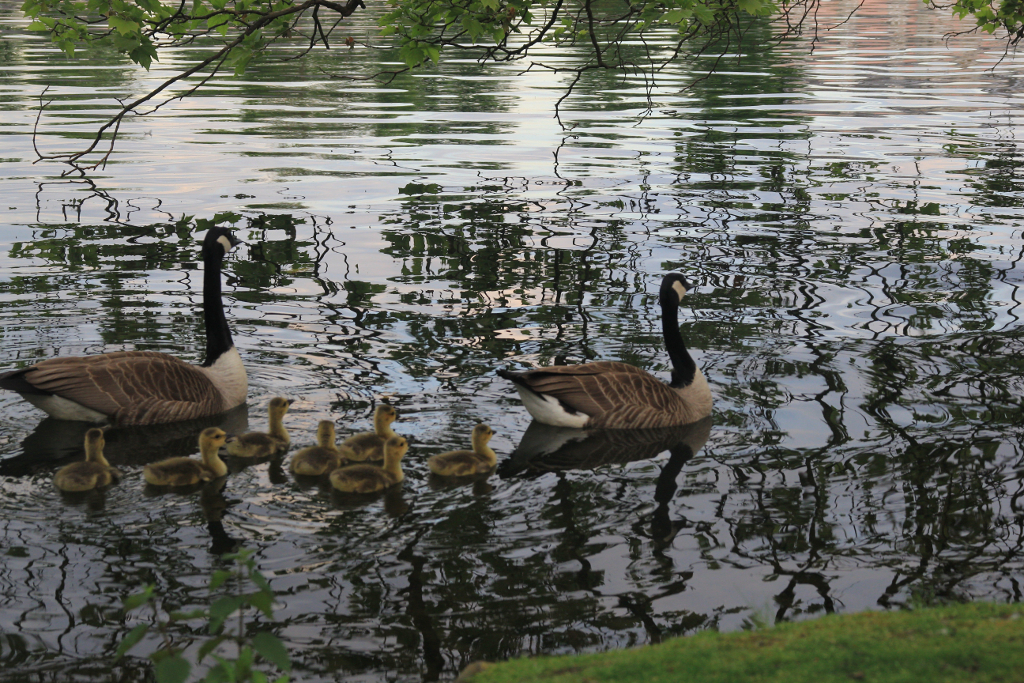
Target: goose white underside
(64, 409)
(549, 411)
(228, 375)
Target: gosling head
(395, 448)
(212, 438)
(482, 433)
(325, 433)
(385, 414)
(94, 443)
(279, 405)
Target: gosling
(263, 444)
(464, 463)
(370, 445)
(91, 473)
(313, 461)
(186, 471)
(365, 478)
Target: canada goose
(462, 463)
(90, 473)
(186, 471)
(618, 395)
(365, 478)
(370, 445)
(313, 461)
(145, 387)
(263, 444)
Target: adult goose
(614, 395)
(145, 387)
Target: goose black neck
(218, 336)
(683, 367)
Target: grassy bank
(973, 642)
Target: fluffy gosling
(90, 473)
(264, 444)
(186, 471)
(366, 478)
(463, 463)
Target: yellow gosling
(463, 463)
(90, 473)
(264, 444)
(186, 471)
(365, 478)
(313, 461)
(370, 445)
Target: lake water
(852, 219)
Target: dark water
(852, 218)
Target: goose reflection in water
(544, 448)
(56, 442)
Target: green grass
(963, 643)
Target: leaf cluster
(170, 663)
(989, 15)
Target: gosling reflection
(56, 442)
(545, 448)
(392, 498)
(214, 504)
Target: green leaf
(173, 670)
(217, 20)
(185, 616)
(130, 640)
(123, 26)
(219, 577)
(144, 54)
(264, 602)
(224, 672)
(272, 649)
(138, 599)
(221, 609)
(209, 646)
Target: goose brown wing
(615, 395)
(132, 387)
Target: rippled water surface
(851, 218)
